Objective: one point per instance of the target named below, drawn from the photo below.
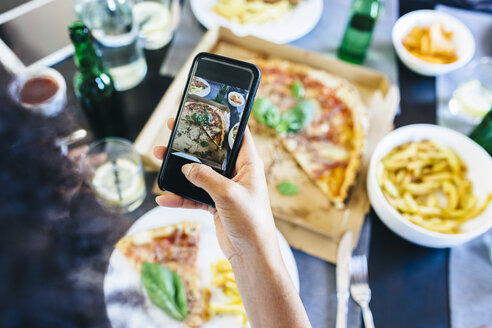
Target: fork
(359, 288)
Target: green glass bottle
(222, 93)
(94, 86)
(482, 134)
(358, 33)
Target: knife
(343, 278)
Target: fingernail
(186, 169)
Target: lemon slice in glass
(474, 98)
(152, 16)
(118, 182)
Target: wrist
(266, 257)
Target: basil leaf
(265, 112)
(287, 188)
(181, 300)
(299, 116)
(282, 127)
(272, 117)
(162, 288)
(298, 90)
(204, 143)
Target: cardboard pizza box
(307, 220)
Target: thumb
(203, 176)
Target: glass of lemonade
(157, 20)
(472, 99)
(114, 171)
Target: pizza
(175, 246)
(211, 119)
(329, 147)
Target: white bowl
(234, 93)
(479, 165)
(462, 38)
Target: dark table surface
(409, 283)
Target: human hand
(242, 216)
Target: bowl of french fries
(431, 185)
(432, 43)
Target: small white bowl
(462, 38)
(234, 93)
(479, 165)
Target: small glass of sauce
(41, 90)
(38, 90)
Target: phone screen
(209, 120)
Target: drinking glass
(32, 83)
(157, 20)
(114, 171)
(117, 38)
(471, 99)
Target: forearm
(268, 294)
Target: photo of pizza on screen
(211, 111)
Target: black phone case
(198, 194)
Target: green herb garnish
(201, 119)
(165, 289)
(287, 188)
(294, 120)
(298, 90)
(188, 117)
(298, 116)
(204, 143)
(266, 112)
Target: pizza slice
(329, 147)
(211, 119)
(175, 246)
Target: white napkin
(470, 270)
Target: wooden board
(307, 220)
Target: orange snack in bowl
(431, 44)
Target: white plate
(126, 303)
(205, 91)
(296, 23)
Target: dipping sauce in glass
(38, 90)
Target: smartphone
(210, 123)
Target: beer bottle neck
(370, 8)
(86, 58)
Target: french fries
(426, 182)
(431, 44)
(223, 278)
(251, 12)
